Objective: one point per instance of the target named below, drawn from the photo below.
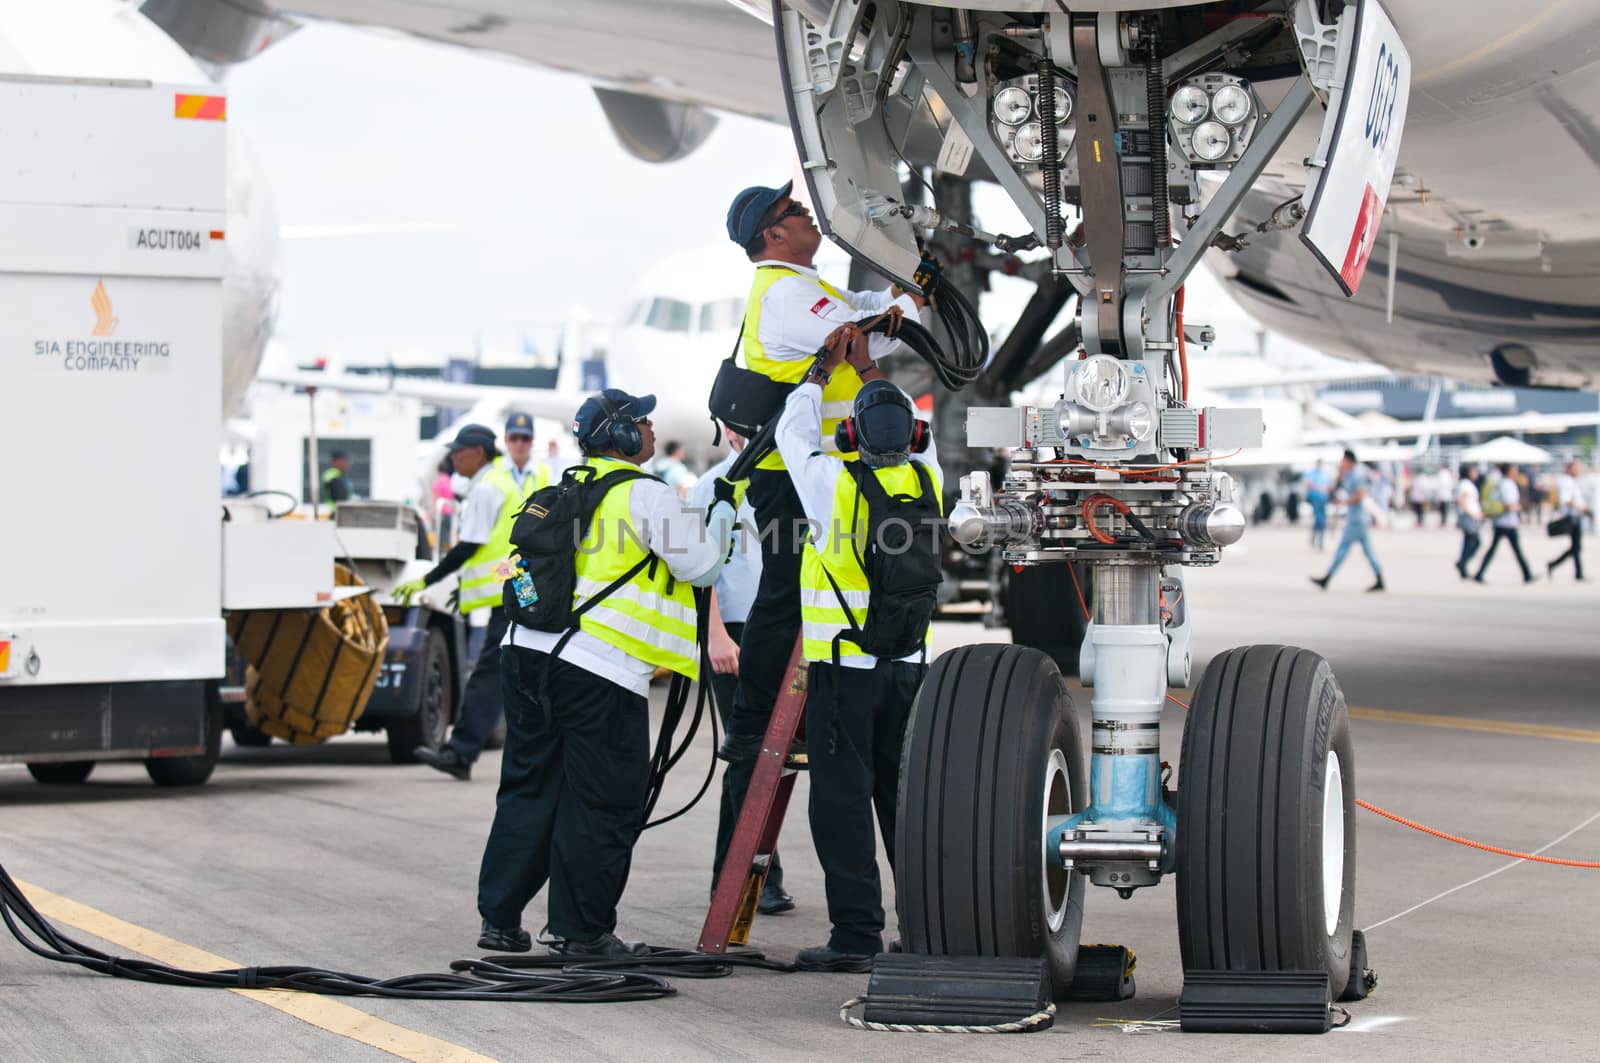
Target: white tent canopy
(1502, 449)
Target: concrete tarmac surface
(1476, 710)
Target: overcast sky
(362, 127)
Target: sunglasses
(793, 210)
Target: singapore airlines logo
(104, 323)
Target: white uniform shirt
(1510, 496)
(693, 551)
(520, 476)
(816, 474)
(481, 508)
(1467, 499)
(797, 315)
(736, 587)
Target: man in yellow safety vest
(576, 766)
(868, 587)
(792, 312)
(481, 557)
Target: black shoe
(1478, 578)
(444, 760)
(826, 958)
(504, 939)
(774, 900)
(1321, 581)
(606, 946)
(1463, 570)
(1378, 586)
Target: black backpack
(901, 561)
(545, 539)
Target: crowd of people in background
(1488, 504)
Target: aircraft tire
(61, 772)
(991, 751)
(1263, 839)
(431, 724)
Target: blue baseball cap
(474, 435)
(592, 414)
(749, 207)
(519, 424)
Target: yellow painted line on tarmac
(1464, 723)
(321, 1012)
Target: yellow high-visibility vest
(652, 616)
(822, 616)
(838, 396)
(489, 566)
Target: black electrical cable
(521, 979)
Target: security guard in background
(791, 313)
(857, 709)
(527, 474)
(575, 771)
(480, 555)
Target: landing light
(1231, 105)
(1012, 106)
(1211, 141)
(1030, 142)
(1102, 383)
(1190, 104)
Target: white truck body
(112, 235)
(111, 261)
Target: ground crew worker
(857, 709)
(528, 475)
(574, 775)
(479, 555)
(791, 312)
(336, 481)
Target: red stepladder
(755, 835)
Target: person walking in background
(1317, 483)
(1502, 504)
(1469, 517)
(1571, 509)
(672, 469)
(1357, 522)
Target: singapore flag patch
(822, 306)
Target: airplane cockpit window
(669, 315)
(722, 315)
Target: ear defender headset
(619, 432)
(882, 434)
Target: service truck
(117, 558)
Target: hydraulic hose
(954, 369)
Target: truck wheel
(1266, 847)
(992, 755)
(431, 723)
(1043, 611)
(61, 773)
(192, 771)
(249, 736)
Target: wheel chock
(1255, 1002)
(1103, 973)
(1363, 979)
(918, 990)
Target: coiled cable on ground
(520, 979)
